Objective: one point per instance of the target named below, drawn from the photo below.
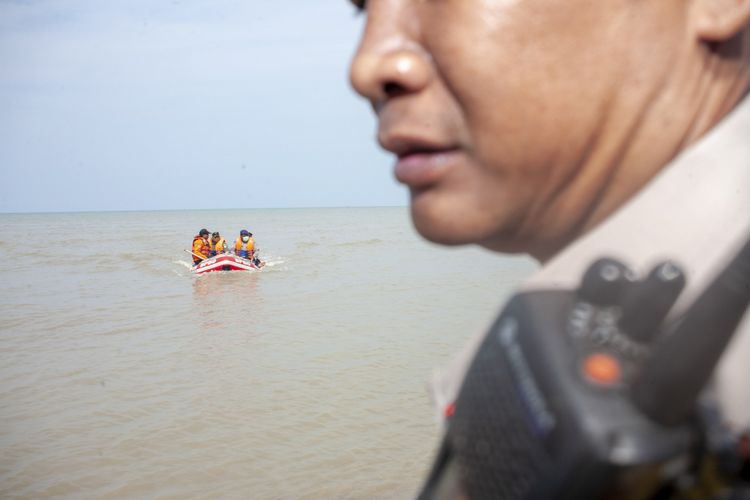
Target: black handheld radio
(584, 394)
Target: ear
(720, 20)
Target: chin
(447, 223)
(437, 234)
(436, 227)
(440, 220)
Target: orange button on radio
(602, 368)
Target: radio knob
(648, 303)
(605, 282)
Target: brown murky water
(122, 375)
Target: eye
(359, 4)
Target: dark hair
(202, 232)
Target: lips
(421, 162)
(422, 169)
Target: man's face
(506, 115)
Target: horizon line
(132, 210)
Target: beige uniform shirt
(695, 212)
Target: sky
(184, 104)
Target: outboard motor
(586, 394)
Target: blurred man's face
(507, 115)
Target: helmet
(203, 232)
(244, 232)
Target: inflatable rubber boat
(224, 262)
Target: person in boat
(218, 244)
(201, 247)
(244, 245)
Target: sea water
(123, 375)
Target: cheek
(528, 91)
(526, 136)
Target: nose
(379, 74)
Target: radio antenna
(683, 361)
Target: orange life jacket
(200, 247)
(244, 249)
(218, 247)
